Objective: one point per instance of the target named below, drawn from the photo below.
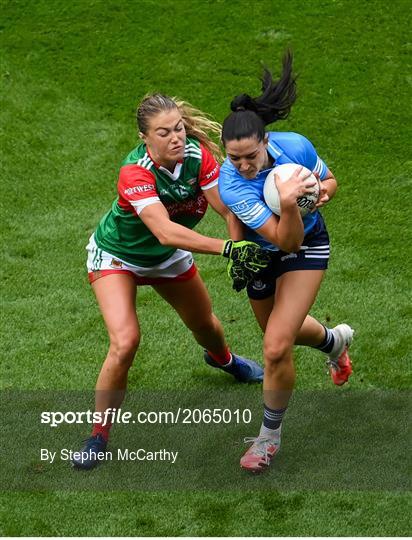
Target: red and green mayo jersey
(143, 182)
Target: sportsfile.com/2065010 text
(118, 416)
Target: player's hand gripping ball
(306, 202)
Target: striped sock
(327, 344)
(272, 418)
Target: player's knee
(276, 352)
(123, 348)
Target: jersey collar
(173, 175)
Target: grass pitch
(71, 75)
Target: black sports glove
(246, 260)
(239, 278)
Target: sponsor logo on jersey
(239, 207)
(212, 173)
(138, 189)
(190, 207)
(247, 213)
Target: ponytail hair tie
(243, 102)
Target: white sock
(338, 346)
(272, 434)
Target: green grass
(207, 514)
(71, 75)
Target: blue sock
(327, 344)
(272, 418)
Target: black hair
(250, 115)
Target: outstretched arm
(245, 259)
(156, 218)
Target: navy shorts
(313, 255)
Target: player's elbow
(291, 244)
(163, 234)
(295, 247)
(291, 247)
(164, 237)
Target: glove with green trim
(246, 260)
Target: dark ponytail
(251, 115)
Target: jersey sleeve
(136, 187)
(209, 170)
(244, 202)
(310, 158)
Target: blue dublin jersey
(245, 197)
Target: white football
(306, 203)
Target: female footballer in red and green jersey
(164, 188)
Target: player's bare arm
(169, 233)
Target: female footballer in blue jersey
(283, 295)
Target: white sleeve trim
(320, 168)
(212, 184)
(139, 205)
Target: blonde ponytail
(201, 126)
